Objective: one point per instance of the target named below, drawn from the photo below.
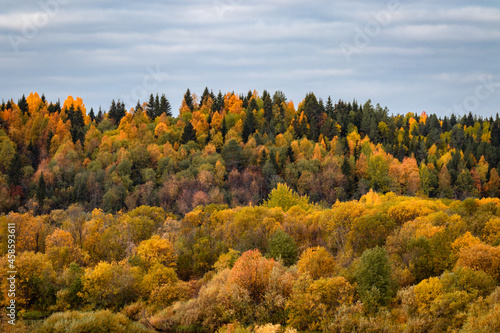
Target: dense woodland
(244, 213)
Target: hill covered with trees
(231, 149)
(244, 213)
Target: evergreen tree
(41, 191)
(100, 116)
(157, 106)
(92, 115)
(23, 104)
(165, 107)
(204, 96)
(268, 106)
(77, 124)
(116, 111)
(150, 110)
(329, 107)
(138, 107)
(15, 170)
(189, 134)
(312, 110)
(223, 129)
(188, 99)
(248, 126)
(253, 105)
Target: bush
(82, 322)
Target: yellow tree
(157, 250)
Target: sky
(441, 57)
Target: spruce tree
(248, 126)
(23, 104)
(188, 99)
(41, 191)
(223, 129)
(189, 134)
(92, 115)
(150, 110)
(165, 107)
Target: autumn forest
(247, 213)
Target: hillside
(244, 213)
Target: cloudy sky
(411, 56)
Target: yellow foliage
(317, 262)
(481, 257)
(426, 292)
(492, 230)
(157, 250)
(371, 198)
(463, 242)
(161, 129)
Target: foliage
(282, 246)
(373, 276)
(317, 262)
(99, 321)
(282, 196)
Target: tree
(373, 275)
(233, 155)
(282, 246)
(248, 126)
(312, 111)
(150, 109)
(41, 190)
(317, 262)
(157, 250)
(165, 107)
(116, 111)
(189, 134)
(284, 197)
(188, 100)
(92, 115)
(111, 285)
(38, 288)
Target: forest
(244, 213)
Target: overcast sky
(411, 56)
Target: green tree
(188, 99)
(248, 126)
(41, 190)
(189, 134)
(373, 276)
(282, 246)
